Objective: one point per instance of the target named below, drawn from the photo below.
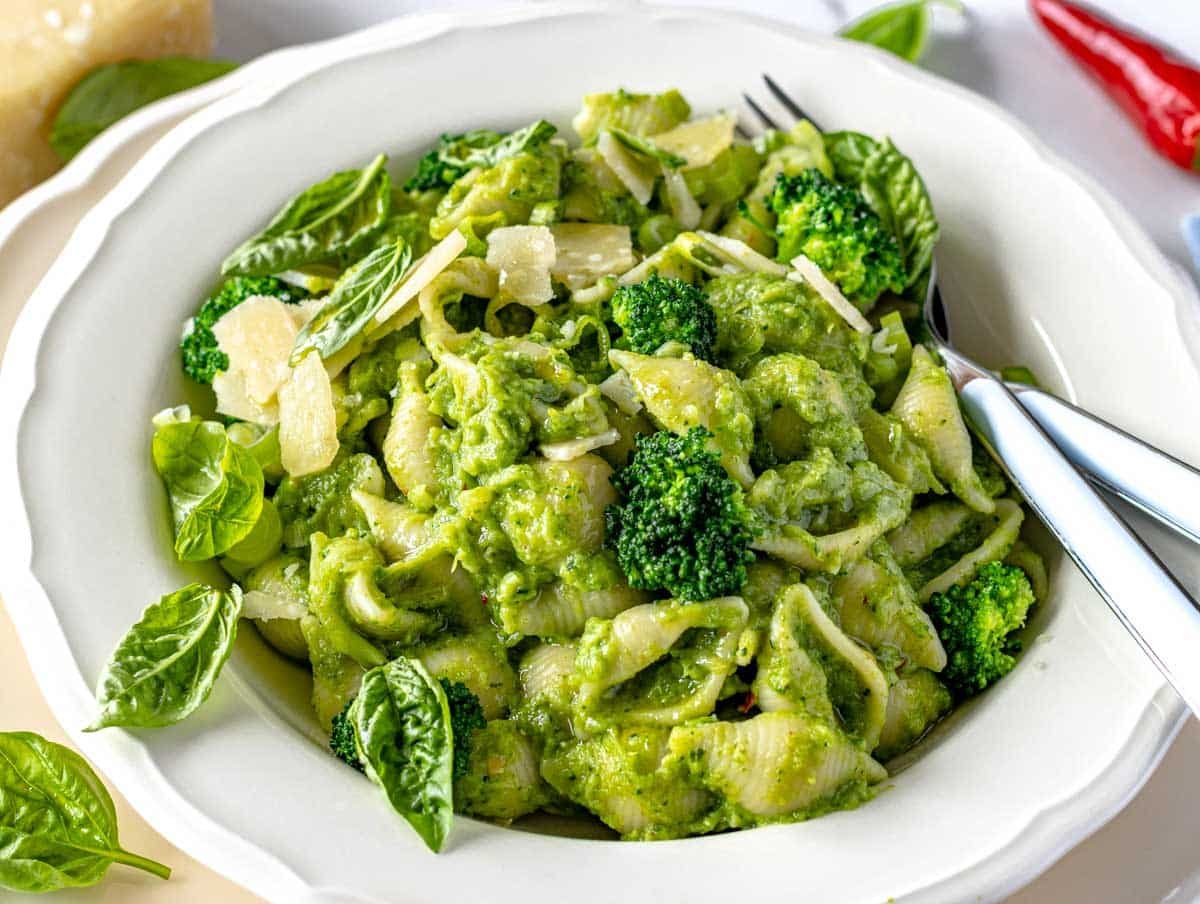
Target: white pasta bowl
(1038, 266)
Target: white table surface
(1150, 852)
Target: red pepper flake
(747, 704)
(483, 598)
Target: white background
(1152, 851)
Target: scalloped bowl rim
(1049, 833)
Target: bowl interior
(1033, 273)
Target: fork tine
(759, 112)
(790, 105)
(741, 131)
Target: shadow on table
(1108, 867)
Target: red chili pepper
(1158, 90)
(747, 703)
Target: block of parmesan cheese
(46, 46)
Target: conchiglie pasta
(477, 660)
(503, 780)
(916, 700)
(810, 665)
(773, 765)
(560, 610)
(928, 408)
(618, 775)
(878, 606)
(680, 393)
(408, 450)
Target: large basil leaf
(454, 155)
(334, 220)
(166, 664)
(358, 294)
(510, 145)
(848, 151)
(114, 90)
(58, 826)
(893, 187)
(215, 487)
(900, 28)
(402, 729)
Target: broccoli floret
(202, 360)
(341, 739)
(976, 622)
(681, 523)
(832, 225)
(661, 310)
(466, 717)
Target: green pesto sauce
(463, 520)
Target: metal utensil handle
(1159, 613)
(1148, 478)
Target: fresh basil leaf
(357, 296)
(58, 826)
(532, 136)
(166, 664)
(215, 487)
(442, 166)
(893, 188)
(848, 151)
(334, 220)
(647, 148)
(402, 730)
(901, 28)
(109, 92)
(454, 155)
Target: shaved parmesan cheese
(588, 251)
(398, 321)
(424, 272)
(522, 256)
(635, 175)
(307, 420)
(700, 141)
(257, 336)
(807, 271)
(305, 311)
(683, 205)
(619, 389)
(343, 357)
(738, 252)
(570, 449)
(234, 401)
(263, 606)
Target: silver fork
(1157, 611)
(1146, 477)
